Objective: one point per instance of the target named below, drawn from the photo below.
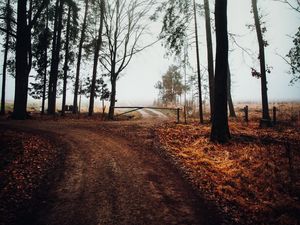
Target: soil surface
(112, 175)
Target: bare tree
(124, 28)
(266, 120)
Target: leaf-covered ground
(26, 163)
(254, 179)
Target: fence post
(274, 115)
(178, 115)
(246, 114)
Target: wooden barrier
(136, 108)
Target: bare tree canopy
(124, 28)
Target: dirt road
(108, 180)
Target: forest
(72, 153)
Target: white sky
(136, 86)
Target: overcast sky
(146, 69)
(136, 86)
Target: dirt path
(107, 181)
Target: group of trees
(175, 32)
(171, 87)
(42, 38)
(48, 41)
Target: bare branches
(295, 6)
(282, 57)
(9, 32)
(244, 50)
(11, 20)
(124, 30)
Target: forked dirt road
(106, 179)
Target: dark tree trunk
(22, 62)
(55, 58)
(46, 64)
(220, 130)
(265, 106)
(229, 98)
(82, 38)
(113, 82)
(66, 63)
(198, 65)
(24, 55)
(210, 58)
(8, 28)
(4, 76)
(113, 74)
(54, 45)
(96, 57)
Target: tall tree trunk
(229, 98)
(113, 82)
(4, 76)
(220, 130)
(114, 75)
(55, 58)
(210, 58)
(66, 63)
(198, 65)
(265, 106)
(54, 46)
(22, 58)
(185, 84)
(82, 39)
(8, 28)
(46, 64)
(96, 57)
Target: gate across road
(136, 108)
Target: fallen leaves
(250, 177)
(27, 160)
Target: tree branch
(296, 8)
(239, 46)
(11, 20)
(9, 32)
(38, 13)
(289, 63)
